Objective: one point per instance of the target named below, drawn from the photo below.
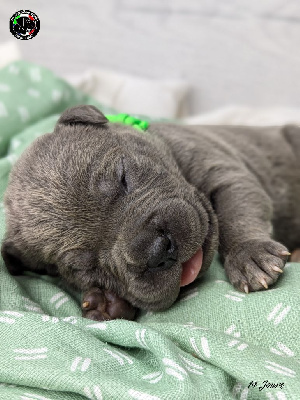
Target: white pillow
(9, 52)
(134, 95)
(241, 115)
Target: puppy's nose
(163, 253)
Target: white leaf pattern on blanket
(193, 327)
(173, 369)
(13, 313)
(56, 95)
(154, 377)
(35, 74)
(235, 296)
(4, 87)
(24, 113)
(12, 158)
(120, 357)
(231, 331)
(31, 354)
(280, 369)
(140, 337)
(3, 110)
(204, 344)
(33, 397)
(276, 396)
(84, 365)
(32, 306)
(97, 395)
(47, 318)
(33, 92)
(240, 392)
(13, 69)
(191, 366)
(141, 395)
(15, 143)
(283, 350)
(10, 319)
(6, 320)
(277, 318)
(244, 394)
(59, 299)
(99, 325)
(71, 320)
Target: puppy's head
(107, 206)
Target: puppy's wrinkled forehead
(84, 144)
(86, 131)
(86, 157)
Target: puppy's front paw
(255, 265)
(103, 305)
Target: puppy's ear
(12, 258)
(84, 114)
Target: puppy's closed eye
(123, 177)
(124, 182)
(114, 184)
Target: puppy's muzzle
(163, 253)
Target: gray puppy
(129, 217)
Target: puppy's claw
(264, 283)
(85, 304)
(285, 253)
(277, 269)
(246, 289)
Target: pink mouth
(191, 268)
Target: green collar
(128, 120)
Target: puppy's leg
(252, 260)
(101, 305)
(17, 265)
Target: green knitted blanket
(214, 343)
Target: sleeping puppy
(129, 217)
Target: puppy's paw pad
(255, 265)
(103, 305)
